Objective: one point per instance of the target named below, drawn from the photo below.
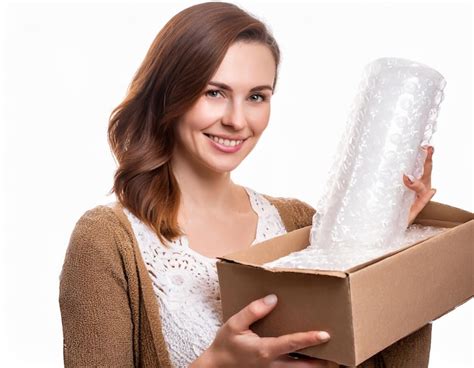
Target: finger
(292, 342)
(429, 150)
(420, 203)
(252, 312)
(428, 165)
(423, 201)
(416, 185)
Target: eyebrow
(228, 88)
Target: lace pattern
(186, 283)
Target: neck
(204, 190)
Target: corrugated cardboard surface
(400, 294)
(303, 301)
(367, 308)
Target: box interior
(434, 214)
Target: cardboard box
(365, 308)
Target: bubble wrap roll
(365, 207)
(393, 116)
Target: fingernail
(323, 335)
(411, 178)
(270, 299)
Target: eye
(213, 93)
(258, 96)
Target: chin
(223, 167)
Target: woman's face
(227, 120)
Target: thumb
(254, 311)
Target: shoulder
(100, 230)
(100, 219)
(294, 213)
(99, 215)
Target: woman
(139, 285)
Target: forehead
(246, 65)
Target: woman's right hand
(236, 345)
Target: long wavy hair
(177, 68)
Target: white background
(64, 67)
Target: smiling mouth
(225, 142)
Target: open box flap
(434, 214)
(275, 248)
(461, 227)
(271, 249)
(293, 270)
(389, 254)
(439, 212)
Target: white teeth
(225, 142)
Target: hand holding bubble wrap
(365, 207)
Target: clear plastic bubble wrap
(364, 210)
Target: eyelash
(263, 98)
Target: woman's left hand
(422, 186)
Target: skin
(210, 199)
(215, 213)
(421, 186)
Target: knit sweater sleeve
(294, 213)
(95, 310)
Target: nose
(234, 115)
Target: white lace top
(186, 283)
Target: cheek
(204, 114)
(185, 130)
(260, 120)
(197, 118)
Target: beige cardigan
(109, 311)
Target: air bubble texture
(365, 205)
(343, 258)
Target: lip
(223, 148)
(230, 138)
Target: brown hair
(177, 68)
